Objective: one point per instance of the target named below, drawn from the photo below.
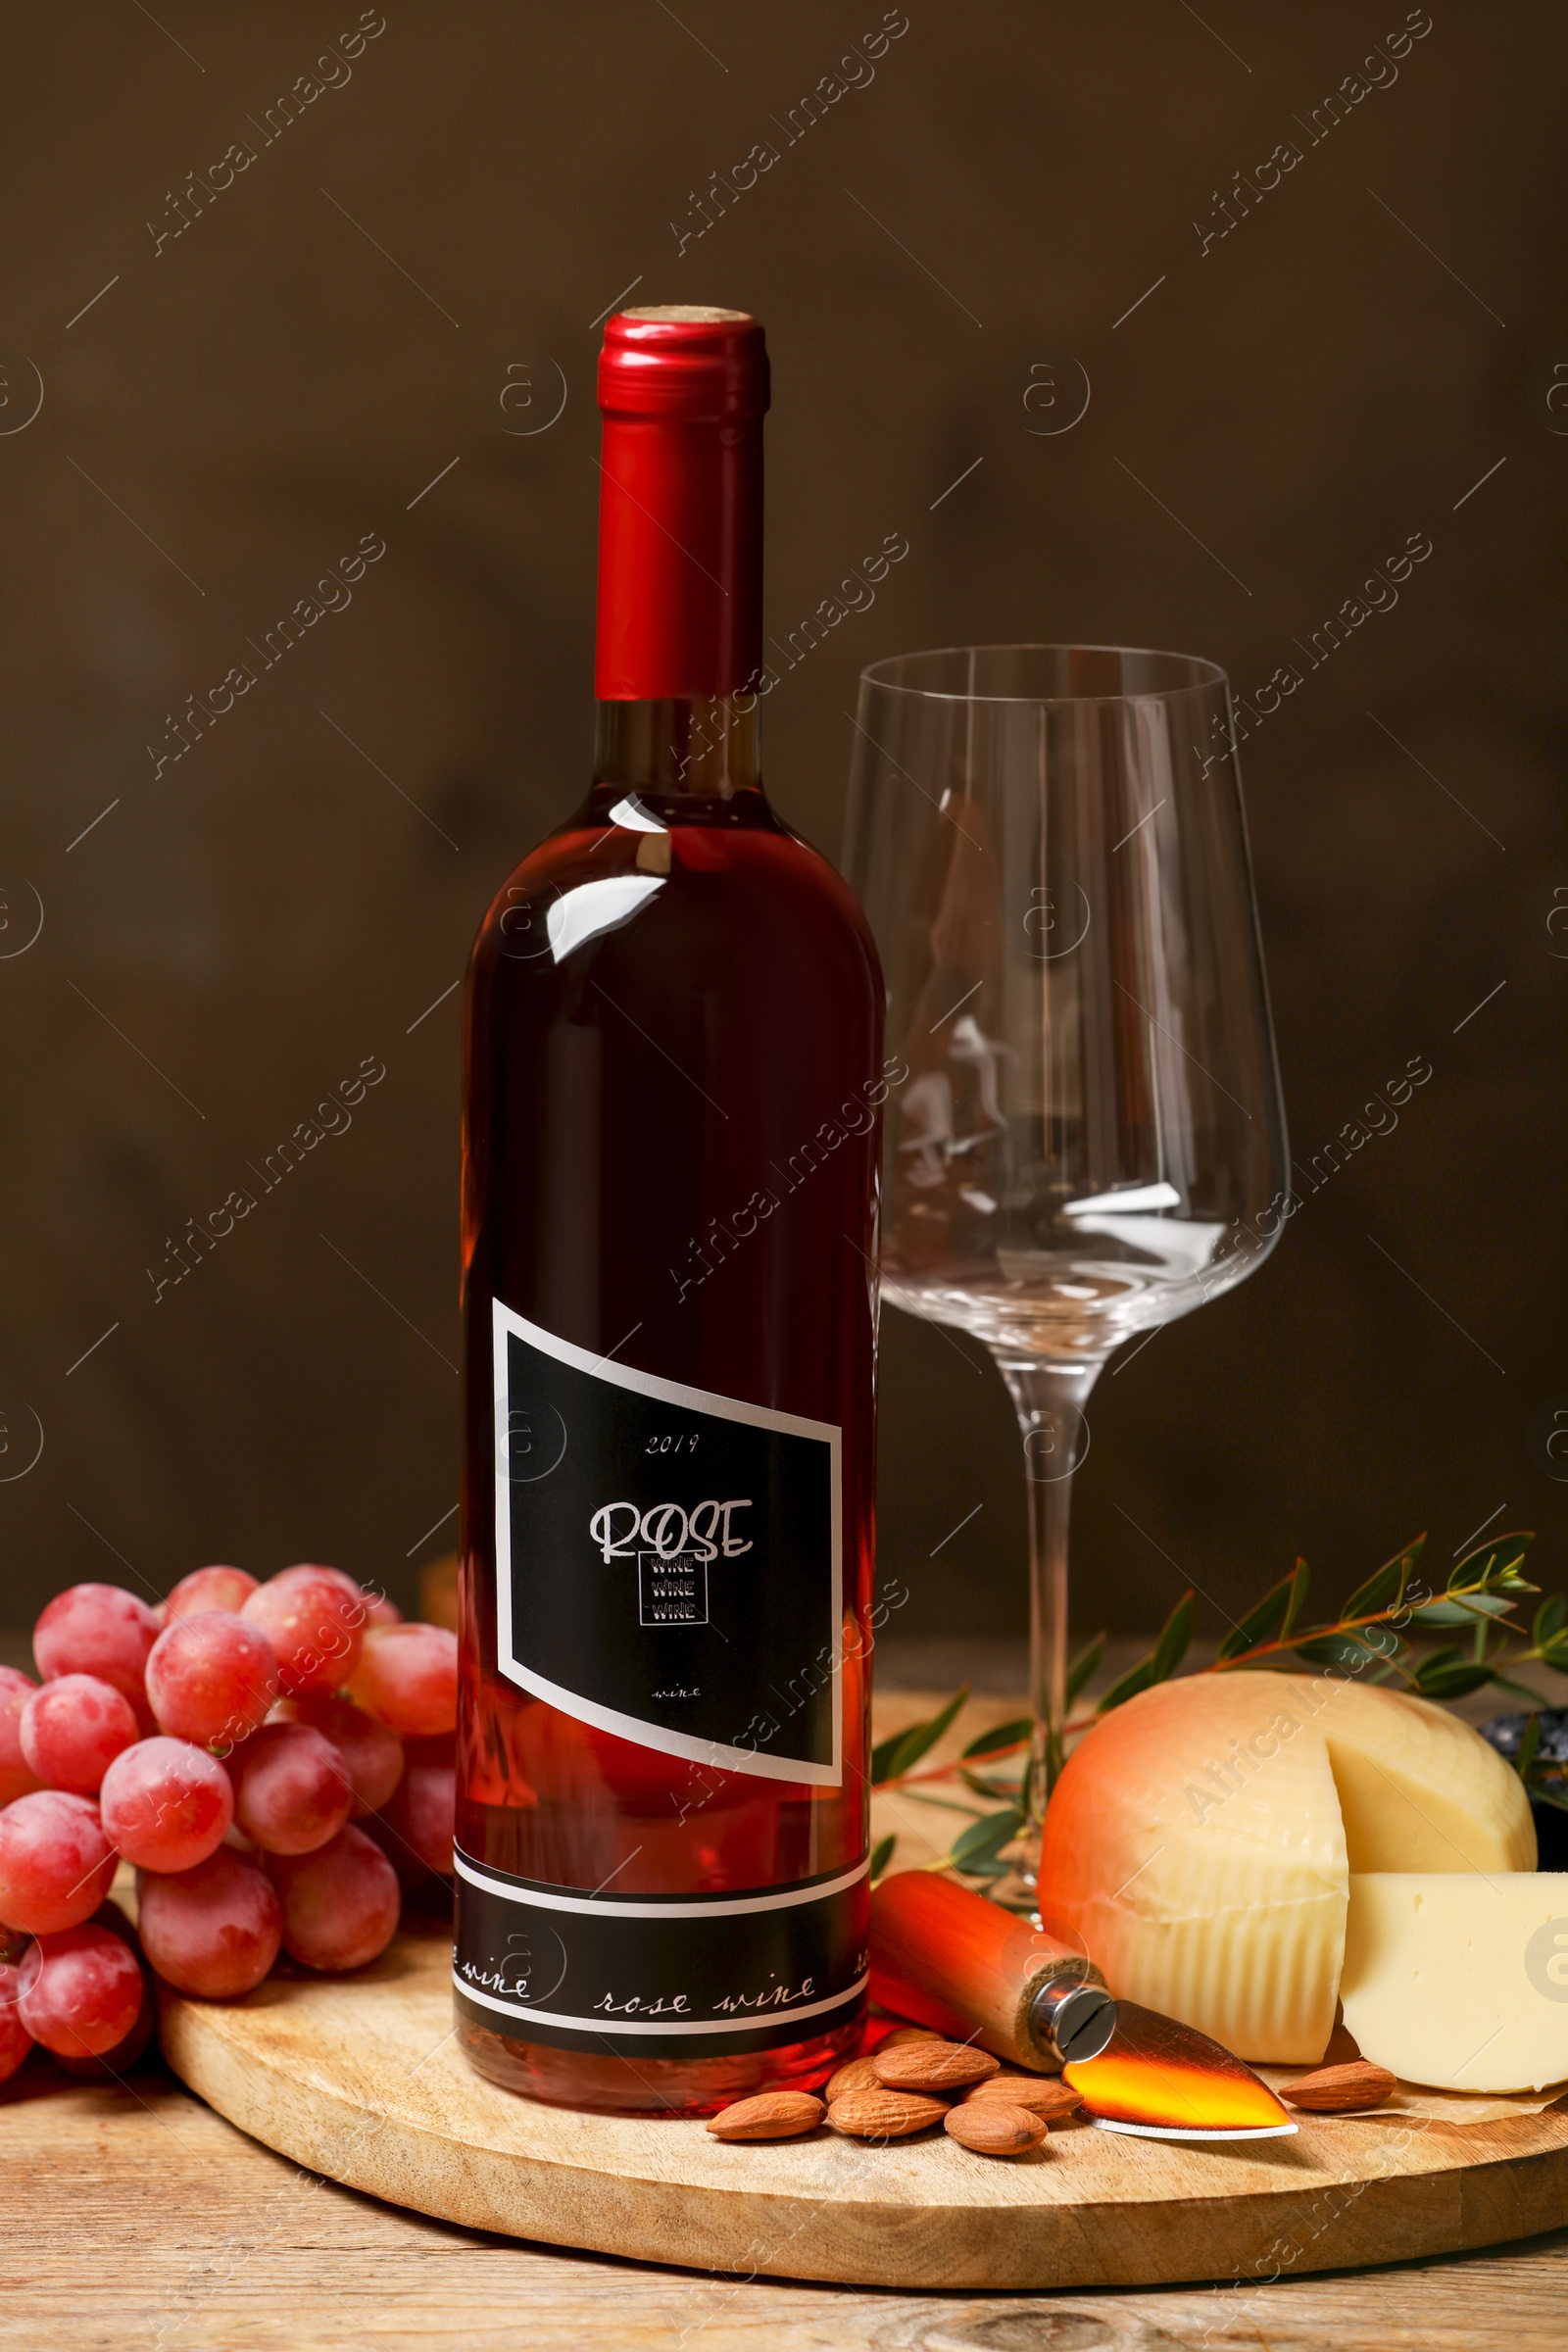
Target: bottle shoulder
(694, 881)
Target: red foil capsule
(683, 393)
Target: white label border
(717, 1755)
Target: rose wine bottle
(673, 1078)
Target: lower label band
(656, 1977)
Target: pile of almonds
(912, 2081)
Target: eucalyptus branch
(1369, 1635)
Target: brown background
(233, 938)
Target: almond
(1045, 2095)
(933, 2066)
(1341, 2089)
(902, 2034)
(857, 2075)
(884, 2114)
(772, 2115)
(993, 2127)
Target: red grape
(291, 1788)
(315, 1620)
(408, 1676)
(208, 1588)
(214, 1929)
(15, 2039)
(340, 1904)
(73, 1729)
(372, 1754)
(379, 1610)
(340, 1576)
(16, 1775)
(211, 1678)
(108, 2066)
(56, 1864)
(81, 1992)
(97, 1628)
(423, 1810)
(167, 1804)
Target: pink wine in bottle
(672, 1079)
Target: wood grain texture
(361, 2079)
(134, 2216)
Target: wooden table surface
(134, 2216)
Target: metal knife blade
(1160, 2080)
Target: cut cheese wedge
(1461, 1983)
(1200, 1843)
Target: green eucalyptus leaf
(1001, 1735)
(1161, 1663)
(1527, 1745)
(1385, 1590)
(881, 1856)
(1175, 1638)
(1466, 1572)
(1300, 1580)
(1549, 1618)
(1457, 1681)
(1448, 1674)
(1084, 1666)
(1270, 1618)
(986, 1784)
(895, 1756)
(982, 1842)
(1138, 1677)
(1491, 1565)
(1331, 1648)
(1462, 1612)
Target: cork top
(691, 314)
(684, 363)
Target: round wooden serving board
(360, 2078)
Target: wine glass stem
(1049, 1399)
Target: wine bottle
(672, 1080)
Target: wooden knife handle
(972, 1970)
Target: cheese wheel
(1200, 1843)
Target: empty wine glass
(1090, 1141)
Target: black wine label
(645, 1976)
(669, 1562)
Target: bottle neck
(680, 558)
(690, 749)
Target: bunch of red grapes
(275, 1759)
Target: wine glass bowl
(1089, 1140)
(1050, 845)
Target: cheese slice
(1460, 1982)
(1200, 1843)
